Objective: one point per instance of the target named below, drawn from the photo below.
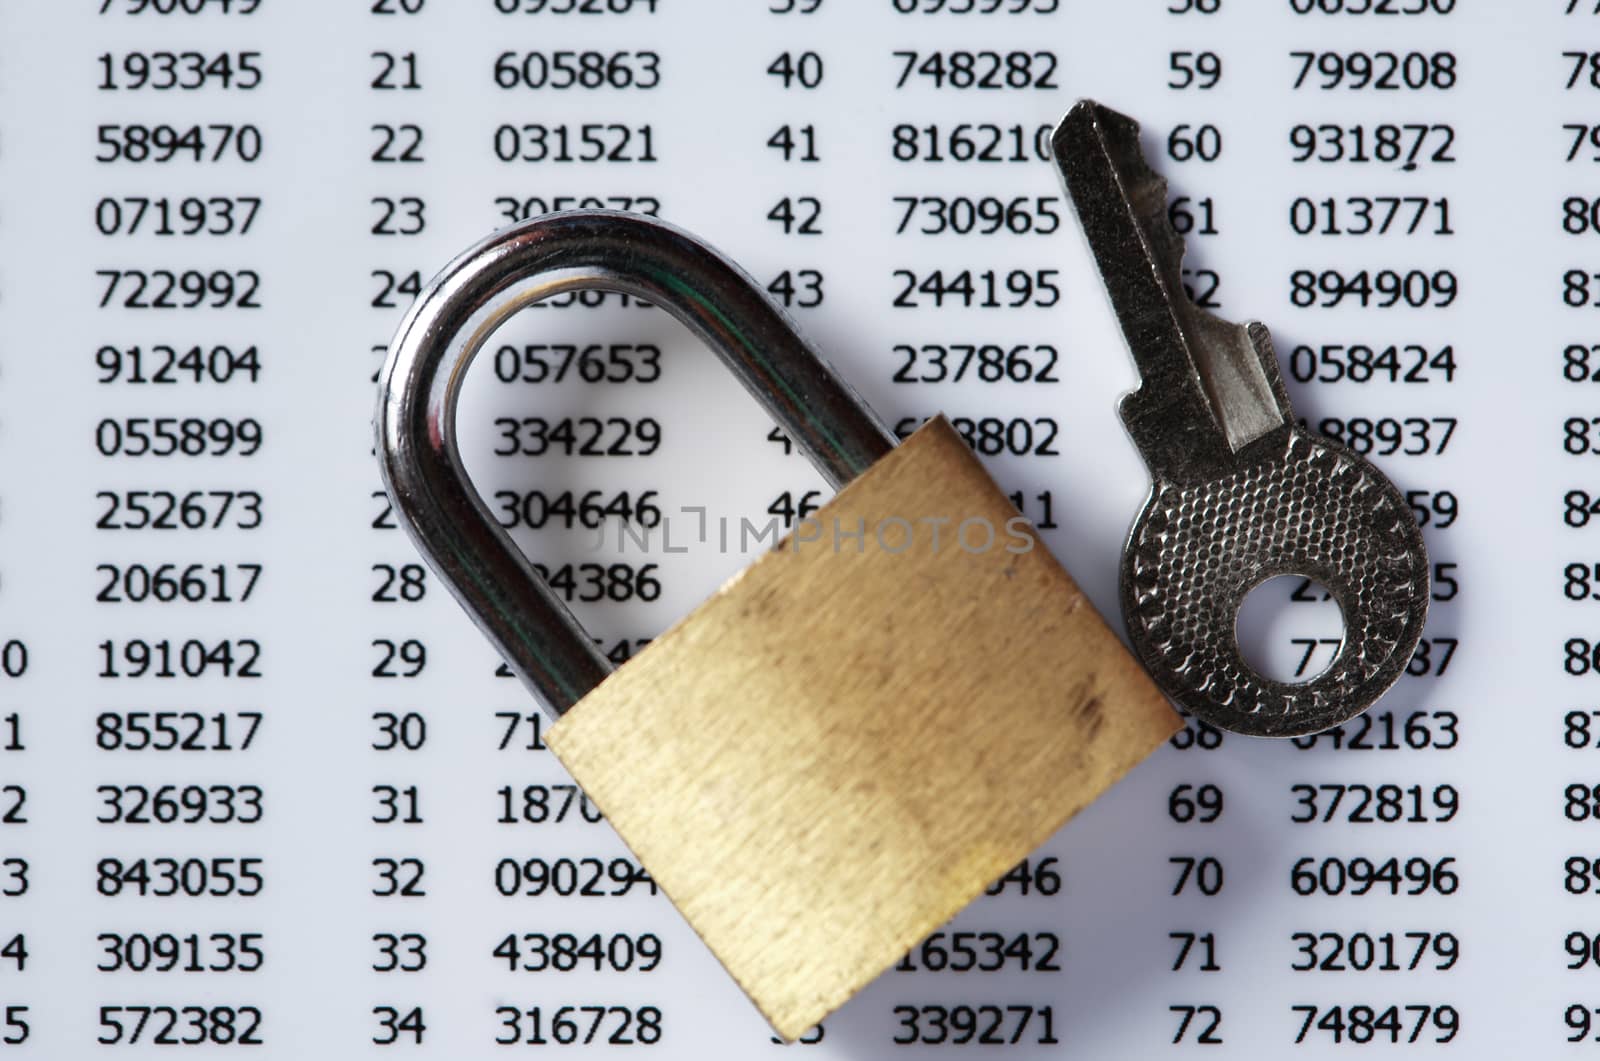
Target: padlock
(851, 739)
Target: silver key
(1240, 493)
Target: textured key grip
(1295, 504)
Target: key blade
(1208, 387)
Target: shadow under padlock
(951, 698)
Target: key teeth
(1267, 353)
(1145, 188)
(1122, 202)
(1118, 135)
(1089, 126)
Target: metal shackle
(454, 316)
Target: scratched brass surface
(840, 749)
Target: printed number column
(397, 659)
(1579, 73)
(1193, 70)
(177, 302)
(793, 74)
(1375, 155)
(576, 106)
(968, 203)
(15, 1020)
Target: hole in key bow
(1290, 629)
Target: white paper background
(712, 115)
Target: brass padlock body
(852, 738)
(846, 743)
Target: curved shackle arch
(472, 296)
